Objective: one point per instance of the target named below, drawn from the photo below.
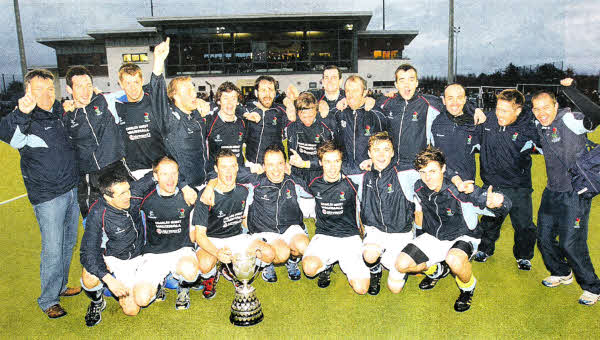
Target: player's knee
(395, 286)
(187, 267)
(130, 309)
(143, 293)
(282, 253)
(88, 280)
(455, 261)
(404, 262)
(371, 254)
(311, 265)
(360, 286)
(267, 254)
(299, 245)
(206, 263)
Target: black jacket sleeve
(90, 253)
(585, 105)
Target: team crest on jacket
(317, 138)
(181, 213)
(342, 196)
(555, 137)
(288, 194)
(243, 205)
(469, 140)
(390, 189)
(240, 136)
(577, 220)
(449, 212)
(514, 136)
(415, 116)
(275, 120)
(97, 110)
(146, 117)
(368, 130)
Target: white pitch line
(13, 199)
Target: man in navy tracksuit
(49, 168)
(355, 125)
(448, 220)
(507, 140)
(338, 235)
(563, 212)
(94, 132)
(410, 115)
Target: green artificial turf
(508, 303)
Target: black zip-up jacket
(264, 133)
(449, 214)
(48, 158)
(167, 222)
(409, 123)
(124, 229)
(386, 202)
(457, 137)
(228, 135)
(305, 140)
(320, 95)
(354, 128)
(336, 207)
(95, 134)
(274, 206)
(224, 219)
(142, 126)
(505, 157)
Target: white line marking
(13, 199)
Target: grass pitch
(508, 303)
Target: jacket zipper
(93, 134)
(261, 134)
(379, 198)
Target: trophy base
(246, 310)
(245, 322)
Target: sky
(492, 33)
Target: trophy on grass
(245, 309)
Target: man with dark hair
(49, 168)
(410, 114)
(338, 234)
(94, 132)
(117, 216)
(355, 125)
(219, 232)
(563, 212)
(507, 140)
(448, 219)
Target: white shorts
(137, 174)
(345, 250)
(307, 205)
(390, 245)
(287, 236)
(126, 271)
(156, 267)
(437, 250)
(237, 244)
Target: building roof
(406, 35)
(134, 32)
(57, 42)
(360, 20)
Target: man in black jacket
(448, 219)
(49, 168)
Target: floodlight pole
(383, 14)
(450, 41)
(20, 38)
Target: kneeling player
(338, 235)
(449, 224)
(168, 247)
(219, 228)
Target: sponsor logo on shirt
(264, 197)
(221, 214)
(318, 196)
(343, 122)
(151, 214)
(74, 124)
(218, 138)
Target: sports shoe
(161, 294)
(463, 303)
(183, 299)
(480, 256)
(210, 284)
(523, 264)
(93, 316)
(56, 311)
(325, 277)
(588, 298)
(429, 282)
(294, 273)
(374, 284)
(268, 274)
(555, 281)
(197, 285)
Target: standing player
(219, 228)
(338, 235)
(169, 241)
(563, 213)
(95, 134)
(507, 140)
(450, 231)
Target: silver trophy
(245, 309)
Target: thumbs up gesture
(27, 102)
(296, 160)
(494, 199)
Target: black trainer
(183, 299)
(93, 316)
(325, 278)
(375, 283)
(429, 282)
(463, 303)
(161, 294)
